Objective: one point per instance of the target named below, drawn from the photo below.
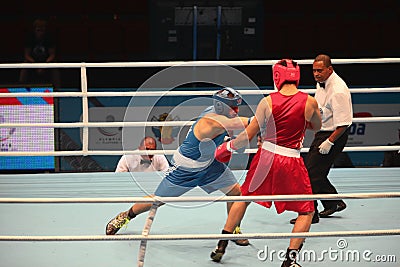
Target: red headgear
(286, 70)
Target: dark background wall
(120, 30)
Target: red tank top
(288, 120)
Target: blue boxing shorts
(210, 178)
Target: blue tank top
(200, 150)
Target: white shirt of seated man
(143, 163)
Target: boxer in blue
(193, 162)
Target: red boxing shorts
(274, 174)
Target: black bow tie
(322, 85)
(145, 161)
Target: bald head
(148, 143)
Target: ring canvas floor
(187, 218)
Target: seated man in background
(143, 163)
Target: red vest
(287, 126)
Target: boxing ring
(59, 219)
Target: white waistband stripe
(280, 150)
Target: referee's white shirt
(131, 163)
(334, 102)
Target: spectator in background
(40, 47)
(143, 163)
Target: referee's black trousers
(319, 165)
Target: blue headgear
(226, 98)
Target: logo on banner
(110, 131)
(5, 134)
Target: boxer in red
(277, 168)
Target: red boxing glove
(223, 153)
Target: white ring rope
(166, 152)
(85, 111)
(189, 63)
(388, 232)
(202, 199)
(151, 123)
(145, 232)
(179, 93)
